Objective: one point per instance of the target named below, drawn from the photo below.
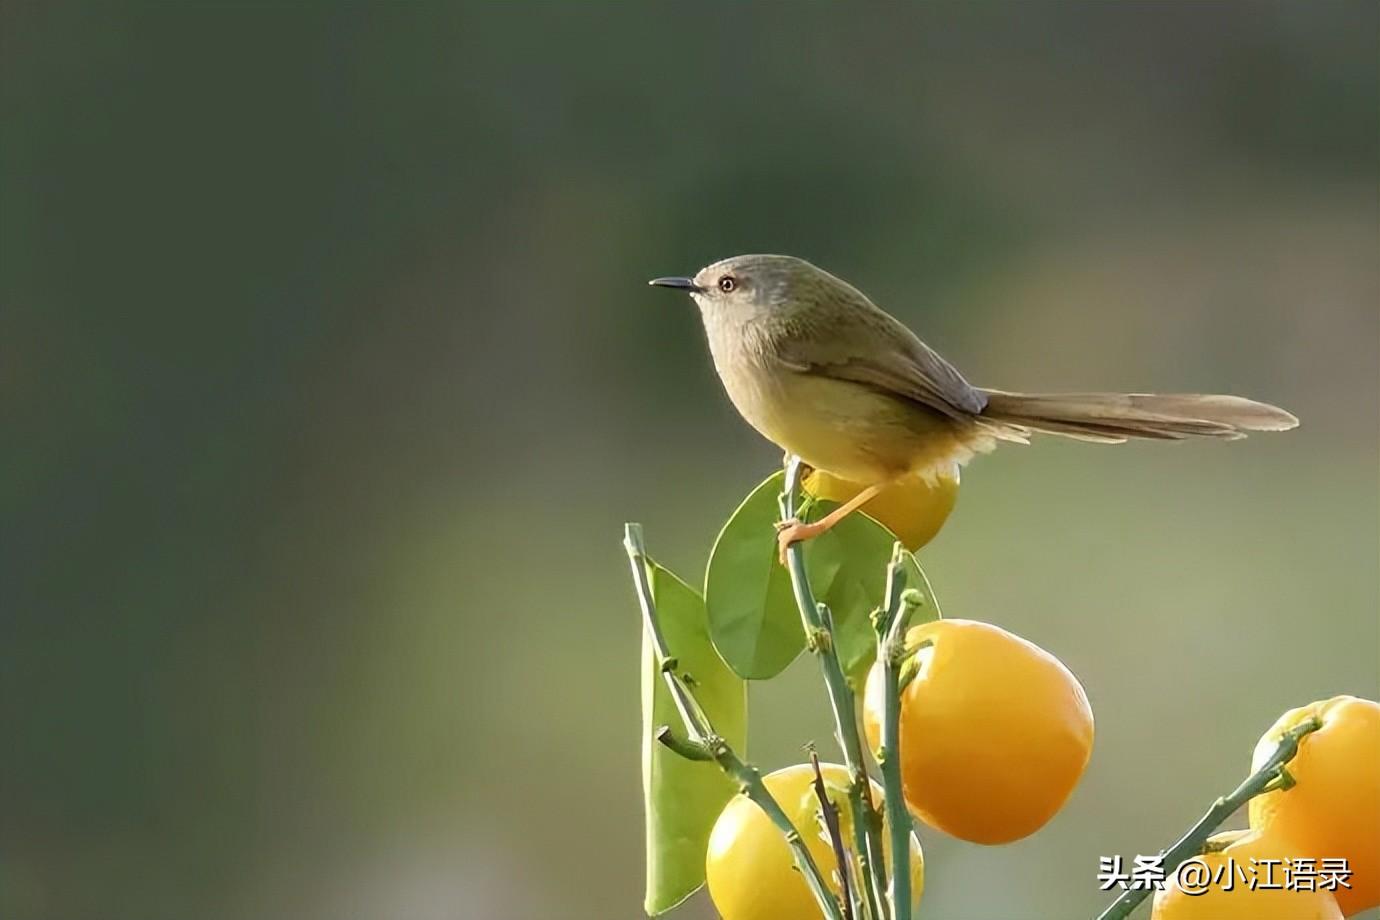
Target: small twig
(705, 742)
(817, 622)
(690, 750)
(637, 556)
(891, 652)
(830, 812)
(1271, 775)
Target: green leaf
(683, 798)
(753, 617)
(858, 549)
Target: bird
(828, 376)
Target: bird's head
(752, 286)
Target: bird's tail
(1115, 417)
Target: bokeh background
(329, 374)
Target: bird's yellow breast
(847, 429)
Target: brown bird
(828, 376)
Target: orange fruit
(995, 731)
(749, 868)
(911, 508)
(1202, 893)
(1333, 811)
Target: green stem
(705, 741)
(818, 627)
(690, 750)
(1271, 773)
(891, 632)
(690, 712)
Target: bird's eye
(727, 283)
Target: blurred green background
(329, 373)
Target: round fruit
(911, 508)
(995, 731)
(1333, 811)
(1218, 885)
(749, 868)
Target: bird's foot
(793, 531)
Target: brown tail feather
(1116, 417)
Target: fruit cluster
(993, 734)
(1331, 813)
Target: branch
(704, 741)
(891, 652)
(819, 634)
(830, 812)
(1271, 775)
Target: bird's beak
(684, 284)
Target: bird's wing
(872, 348)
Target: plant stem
(830, 813)
(689, 710)
(1272, 774)
(820, 639)
(705, 741)
(891, 633)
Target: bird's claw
(788, 532)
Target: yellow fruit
(911, 508)
(749, 869)
(1334, 810)
(1200, 892)
(995, 732)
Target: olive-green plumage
(825, 374)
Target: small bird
(831, 378)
